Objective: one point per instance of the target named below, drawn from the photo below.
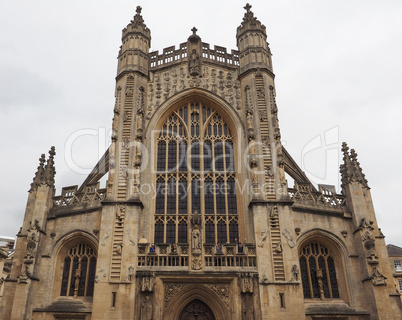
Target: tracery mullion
(309, 276)
(328, 277)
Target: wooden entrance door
(196, 310)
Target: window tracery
(318, 272)
(195, 170)
(79, 271)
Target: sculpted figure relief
(146, 309)
(194, 64)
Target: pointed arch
(74, 253)
(330, 254)
(206, 177)
(196, 292)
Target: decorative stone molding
(222, 290)
(289, 238)
(246, 281)
(147, 281)
(171, 290)
(263, 237)
(377, 277)
(166, 84)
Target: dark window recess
(182, 232)
(222, 233)
(159, 232)
(171, 232)
(209, 232)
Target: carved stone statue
(248, 310)
(194, 64)
(295, 273)
(146, 309)
(195, 240)
(263, 237)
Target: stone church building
(197, 220)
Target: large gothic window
(318, 272)
(79, 271)
(195, 171)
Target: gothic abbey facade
(197, 220)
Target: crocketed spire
(350, 169)
(38, 178)
(138, 20)
(250, 22)
(50, 171)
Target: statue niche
(194, 64)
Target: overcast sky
(338, 67)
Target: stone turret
(251, 38)
(367, 235)
(136, 41)
(27, 257)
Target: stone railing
(69, 195)
(217, 55)
(326, 196)
(229, 257)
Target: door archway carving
(196, 310)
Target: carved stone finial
(249, 15)
(50, 171)
(37, 180)
(350, 169)
(194, 30)
(138, 20)
(248, 7)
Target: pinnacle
(351, 169)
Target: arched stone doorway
(196, 310)
(177, 306)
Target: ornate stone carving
(365, 224)
(250, 123)
(278, 248)
(194, 63)
(147, 281)
(196, 233)
(106, 236)
(351, 169)
(196, 263)
(377, 277)
(263, 237)
(248, 307)
(222, 290)
(120, 211)
(146, 309)
(171, 290)
(295, 273)
(130, 238)
(37, 180)
(289, 238)
(129, 92)
(246, 283)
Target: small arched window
(318, 272)
(79, 271)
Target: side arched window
(318, 272)
(79, 271)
